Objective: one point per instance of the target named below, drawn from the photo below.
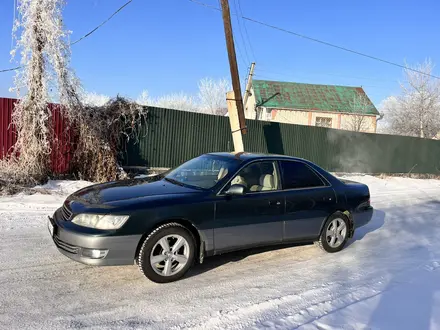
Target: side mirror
(235, 189)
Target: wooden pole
(237, 137)
(235, 80)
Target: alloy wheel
(169, 255)
(336, 232)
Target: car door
(254, 218)
(309, 200)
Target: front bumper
(120, 250)
(362, 217)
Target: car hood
(126, 192)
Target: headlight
(100, 221)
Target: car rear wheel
(167, 253)
(334, 235)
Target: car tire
(160, 246)
(335, 233)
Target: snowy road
(387, 278)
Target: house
(339, 107)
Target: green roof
(297, 96)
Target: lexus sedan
(212, 204)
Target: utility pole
(236, 113)
(247, 93)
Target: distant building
(339, 107)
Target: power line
(338, 47)
(11, 69)
(206, 5)
(246, 31)
(322, 42)
(241, 32)
(84, 36)
(108, 19)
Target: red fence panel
(62, 138)
(7, 131)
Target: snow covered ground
(387, 278)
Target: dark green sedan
(212, 204)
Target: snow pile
(63, 187)
(388, 277)
(26, 210)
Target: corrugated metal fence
(171, 137)
(61, 142)
(7, 133)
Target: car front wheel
(334, 235)
(167, 253)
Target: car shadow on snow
(220, 260)
(211, 263)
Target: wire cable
(246, 32)
(108, 19)
(322, 42)
(241, 32)
(84, 36)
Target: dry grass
(100, 133)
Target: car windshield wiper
(175, 181)
(184, 184)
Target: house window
(323, 122)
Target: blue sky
(168, 45)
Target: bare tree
(416, 111)
(212, 95)
(360, 107)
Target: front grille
(66, 213)
(65, 246)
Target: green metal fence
(171, 137)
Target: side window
(259, 176)
(298, 175)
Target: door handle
(274, 203)
(327, 199)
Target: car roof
(248, 156)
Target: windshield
(204, 171)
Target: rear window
(298, 175)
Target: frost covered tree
(212, 95)
(387, 107)
(43, 45)
(416, 111)
(45, 77)
(211, 98)
(94, 99)
(177, 101)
